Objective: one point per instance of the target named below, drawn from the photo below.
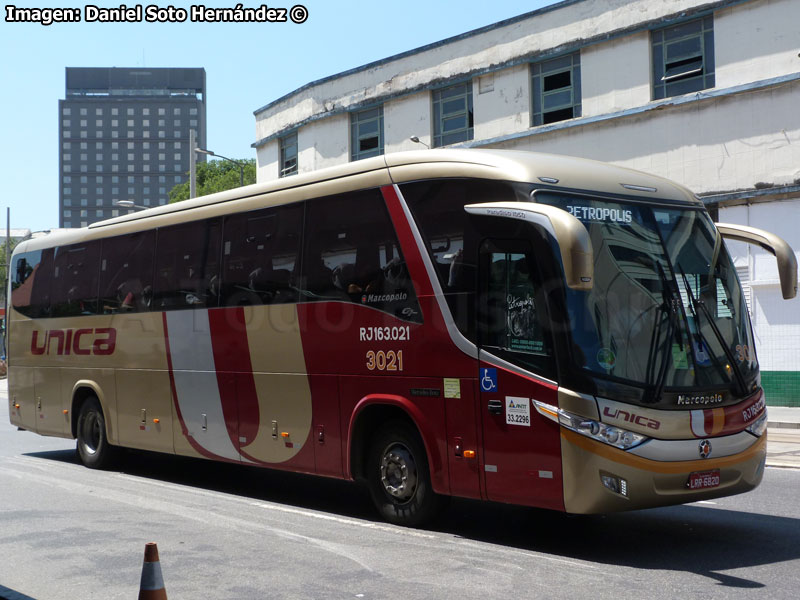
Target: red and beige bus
(508, 326)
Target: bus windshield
(666, 311)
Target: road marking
(344, 520)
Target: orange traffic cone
(152, 584)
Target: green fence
(782, 388)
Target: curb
(774, 425)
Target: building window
(683, 58)
(556, 89)
(452, 114)
(288, 164)
(366, 133)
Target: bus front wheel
(398, 476)
(93, 448)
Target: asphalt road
(231, 532)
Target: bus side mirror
(571, 236)
(787, 262)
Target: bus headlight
(759, 426)
(613, 436)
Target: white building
(703, 92)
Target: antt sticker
(518, 411)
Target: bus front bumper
(599, 478)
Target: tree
(215, 176)
(3, 261)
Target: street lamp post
(129, 204)
(416, 140)
(236, 162)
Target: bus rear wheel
(398, 476)
(93, 448)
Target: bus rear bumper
(648, 483)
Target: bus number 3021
(385, 361)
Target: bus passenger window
(126, 273)
(260, 256)
(513, 310)
(75, 280)
(187, 266)
(352, 255)
(31, 273)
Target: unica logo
(83, 342)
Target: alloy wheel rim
(398, 472)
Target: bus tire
(399, 478)
(93, 447)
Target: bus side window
(75, 280)
(126, 273)
(513, 309)
(30, 282)
(260, 255)
(187, 266)
(352, 254)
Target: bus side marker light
(469, 453)
(16, 405)
(156, 421)
(284, 434)
(65, 411)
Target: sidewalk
(783, 433)
(783, 417)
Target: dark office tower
(124, 135)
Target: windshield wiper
(695, 303)
(670, 313)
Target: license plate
(703, 480)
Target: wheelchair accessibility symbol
(488, 380)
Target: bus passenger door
(521, 448)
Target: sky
(247, 66)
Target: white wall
(722, 144)
(616, 75)
(540, 33)
(323, 143)
(267, 159)
(504, 104)
(404, 117)
(776, 321)
(756, 40)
